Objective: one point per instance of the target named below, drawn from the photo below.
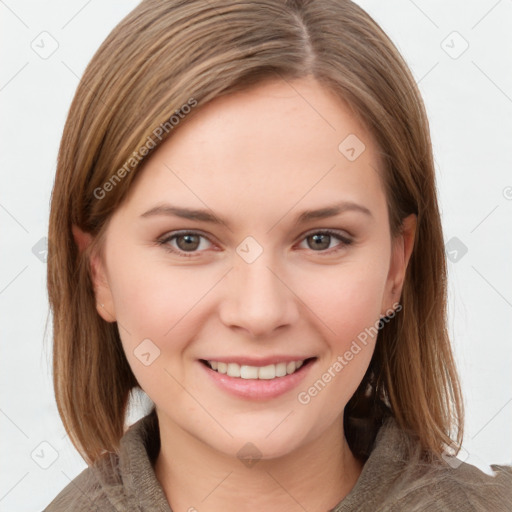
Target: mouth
(268, 372)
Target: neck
(195, 476)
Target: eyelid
(331, 231)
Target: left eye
(321, 240)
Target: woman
(245, 226)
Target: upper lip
(261, 361)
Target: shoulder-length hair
(165, 55)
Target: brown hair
(164, 55)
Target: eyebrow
(206, 216)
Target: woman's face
(255, 237)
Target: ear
(102, 292)
(401, 252)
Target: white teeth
(280, 369)
(268, 372)
(248, 372)
(233, 370)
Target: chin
(262, 444)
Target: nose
(258, 298)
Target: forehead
(292, 119)
(267, 148)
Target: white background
(469, 103)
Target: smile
(268, 372)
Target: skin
(257, 159)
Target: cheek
(156, 311)
(347, 298)
(347, 302)
(157, 301)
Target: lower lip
(258, 389)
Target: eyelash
(176, 234)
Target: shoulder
(396, 478)
(463, 487)
(121, 480)
(84, 493)
(104, 486)
(448, 483)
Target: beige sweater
(392, 480)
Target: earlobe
(102, 292)
(402, 250)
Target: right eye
(183, 242)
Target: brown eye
(321, 241)
(186, 243)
